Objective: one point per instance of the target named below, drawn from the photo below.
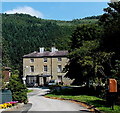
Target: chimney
(41, 49)
(53, 49)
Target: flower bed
(8, 104)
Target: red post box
(112, 85)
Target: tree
(83, 33)
(116, 71)
(111, 26)
(87, 62)
(18, 89)
(83, 54)
(81, 65)
(110, 21)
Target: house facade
(41, 67)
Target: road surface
(40, 103)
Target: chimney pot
(53, 49)
(41, 49)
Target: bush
(18, 89)
(78, 91)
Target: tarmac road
(40, 103)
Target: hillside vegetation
(23, 34)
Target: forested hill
(23, 34)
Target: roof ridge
(47, 54)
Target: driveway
(40, 103)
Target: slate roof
(46, 54)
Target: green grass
(92, 100)
(29, 90)
(108, 110)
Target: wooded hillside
(23, 34)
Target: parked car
(52, 82)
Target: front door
(44, 80)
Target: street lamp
(24, 79)
(24, 75)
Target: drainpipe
(51, 68)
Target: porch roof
(39, 75)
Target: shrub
(18, 89)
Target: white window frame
(60, 78)
(45, 68)
(32, 60)
(59, 68)
(45, 59)
(59, 59)
(32, 70)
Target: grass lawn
(29, 90)
(92, 100)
